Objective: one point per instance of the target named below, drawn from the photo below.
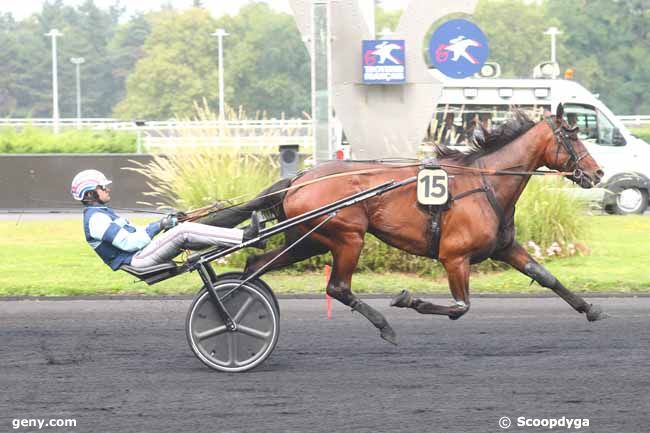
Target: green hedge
(548, 222)
(40, 140)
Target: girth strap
(489, 193)
(492, 198)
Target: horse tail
(268, 201)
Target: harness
(437, 211)
(563, 136)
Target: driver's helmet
(87, 180)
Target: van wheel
(630, 201)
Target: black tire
(257, 281)
(258, 327)
(629, 200)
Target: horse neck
(525, 153)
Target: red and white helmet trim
(87, 180)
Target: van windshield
(453, 125)
(594, 126)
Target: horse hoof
(403, 299)
(596, 313)
(389, 335)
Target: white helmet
(87, 180)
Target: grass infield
(51, 258)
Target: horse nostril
(600, 174)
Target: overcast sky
(23, 8)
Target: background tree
(23, 62)
(267, 64)
(88, 31)
(179, 67)
(124, 51)
(515, 32)
(26, 65)
(157, 65)
(608, 45)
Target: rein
(470, 171)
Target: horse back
(395, 217)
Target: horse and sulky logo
(383, 62)
(458, 48)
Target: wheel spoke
(253, 332)
(243, 309)
(210, 332)
(232, 349)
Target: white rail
(189, 141)
(64, 123)
(169, 124)
(635, 120)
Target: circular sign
(458, 48)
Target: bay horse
(478, 224)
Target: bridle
(563, 138)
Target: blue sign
(383, 62)
(458, 48)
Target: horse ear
(559, 113)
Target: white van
(624, 157)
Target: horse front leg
(458, 275)
(518, 258)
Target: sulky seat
(153, 274)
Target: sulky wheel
(256, 315)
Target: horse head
(565, 152)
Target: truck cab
(623, 157)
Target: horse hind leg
(346, 256)
(306, 249)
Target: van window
(594, 126)
(454, 124)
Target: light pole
(553, 32)
(77, 62)
(321, 79)
(220, 33)
(55, 80)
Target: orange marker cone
(328, 298)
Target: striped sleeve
(131, 240)
(154, 228)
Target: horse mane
(483, 141)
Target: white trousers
(190, 236)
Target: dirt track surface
(124, 366)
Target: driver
(119, 243)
